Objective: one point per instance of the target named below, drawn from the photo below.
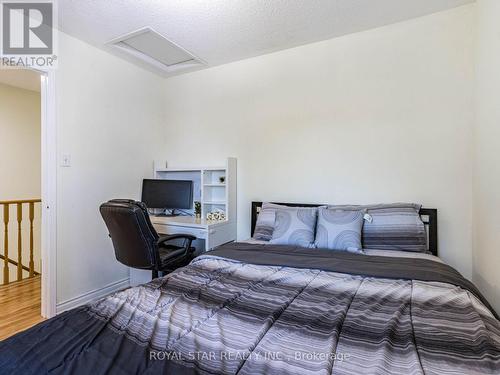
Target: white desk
(215, 188)
(214, 233)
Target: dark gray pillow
(395, 226)
(295, 226)
(339, 230)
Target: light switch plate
(66, 160)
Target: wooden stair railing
(5, 257)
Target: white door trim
(49, 194)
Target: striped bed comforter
(250, 309)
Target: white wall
(379, 116)
(486, 272)
(20, 166)
(109, 117)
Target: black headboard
(428, 215)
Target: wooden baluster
(19, 242)
(6, 244)
(32, 215)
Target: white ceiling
(23, 79)
(221, 31)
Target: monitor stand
(165, 213)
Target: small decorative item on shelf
(217, 215)
(222, 179)
(197, 209)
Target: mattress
(266, 309)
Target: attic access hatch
(154, 49)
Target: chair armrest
(170, 237)
(175, 254)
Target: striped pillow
(396, 226)
(264, 227)
(266, 220)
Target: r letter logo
(27, 30)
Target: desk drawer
(174, 229)
(220, 235)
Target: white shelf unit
(208, 189)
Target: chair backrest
(134, 238)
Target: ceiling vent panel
(154, 49)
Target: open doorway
(20, 200)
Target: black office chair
(136, 242)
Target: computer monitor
(167, 194)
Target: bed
(252, 308)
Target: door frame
(49, 193)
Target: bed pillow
(264, 226)
(396, 226)
(295, 226)
(339, 230)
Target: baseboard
(92, 295)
